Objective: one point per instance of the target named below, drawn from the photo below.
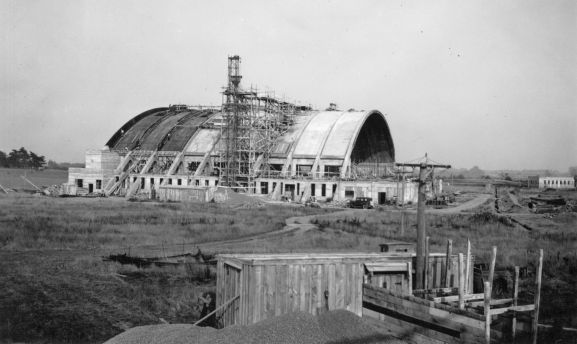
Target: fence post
(492, 266)
(487, 312)
(448, 263)
(515, 296)
(468, 271)
(537, 296)
(461, 282)
(427, 260)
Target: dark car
(361, 203)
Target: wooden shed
(253, 287)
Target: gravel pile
(335, 327)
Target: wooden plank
(218, 309)
(258, 294)
(434, 319)
(357, 289)
(487, 312)
(410, 332)
(237, 290)
(453, 298)
(492, 265)
(294, 282)
(524, 308)
(380, 292)
(515, 298)
(352, 287)
(332, 288)
(324, 277)
(346, 286)
(535, 327)
(461, 282)
(493, 302)
(438, 272)
(448, 263)
(297, 288)
(309, 289)
(409, 278)
(316, 288)
(270, 285)
(435, 291)
(219, 286)
(340, 282)
(468, 268)
(280, 290)
(386, 267)
(303, 289)
(243, 296)
(422, 310)
(427, 269)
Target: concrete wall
(100, 166)
(339, 190)
(84, 177)
(101, 159)
(158, 180)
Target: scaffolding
(252, 121)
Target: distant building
(551, 182)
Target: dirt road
(472, 204)
(301, 224)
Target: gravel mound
(335, 327)
(165, 333)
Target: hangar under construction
(254, 143)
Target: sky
(472, 83)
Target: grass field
(556, 235)
(55, 286)
(11, 178)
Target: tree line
(22, 158)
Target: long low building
(551, 182)
(332, 155)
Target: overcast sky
(486, 83)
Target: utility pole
(421, 230)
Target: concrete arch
(372, 142)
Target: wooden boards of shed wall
(272, 290)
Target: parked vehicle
(361, 203)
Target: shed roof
(313, 258)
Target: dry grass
(515, 246)
(10, 178)
(51, 266)
(36, 222)
(55, 287)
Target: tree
(21, 158)
(573, 170)
(36, 161)
(18, 158)
(3, 159)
